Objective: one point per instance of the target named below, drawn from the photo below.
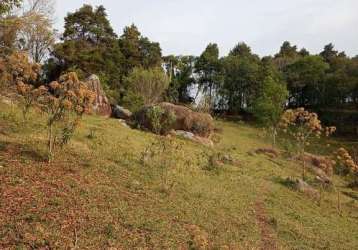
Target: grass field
(118, 188)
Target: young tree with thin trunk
(270, 104)
(302, 126)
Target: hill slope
(114, 187)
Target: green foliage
(180, 70)
(133, 101)
(207, 66)
(241, 71)
(305, 79)
(89, 46)
(270, 104)
(160, 120)
(138, 51)
(146, 85)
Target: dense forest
(326, 83)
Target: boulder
(305, 188)
(121, 113)
(101, 104)
(123, 123)
(184, 134)
(192, 137)
(199, 124)
(321, 176)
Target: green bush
(161, 120)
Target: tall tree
(270, 104)
(139, 51)
(208, 69)
(287, 55)
(36, 36)
(241, 70)
(180, 70)
(89, 47)
(329, 53)
(305, 80)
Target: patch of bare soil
(268, 237)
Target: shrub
(161, 157)
(147, 85)
(29, 96)
(269, 106)
(302, 125)
(17, 68)
(160, 120)
(64, 102)
(345, 164)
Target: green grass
(104, 191)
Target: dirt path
(268, 237)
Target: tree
(287, 55)
(241, 49)
(305, 79)
(89, 46)
(45, 8)
(241, 73)
(7, 5)
(208, 69)
(9, 28)
(36, 36)
(17, 67)
(145, 86)
(270, 104)
(138, 51)
(89, 24)
(329, 53)
(302, 126)
(64, 102)
(180, 70)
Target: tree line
(238, 82)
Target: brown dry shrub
(17, 67)
(321, 162)
(198, 238)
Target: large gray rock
(121, 113)
(192, 137)
(101, 104)
(184, 134)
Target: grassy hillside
(118, 188)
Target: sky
(186, 27)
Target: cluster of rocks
(188, 124)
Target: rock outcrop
(121, 113)
(101, 104)
(199, 124)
